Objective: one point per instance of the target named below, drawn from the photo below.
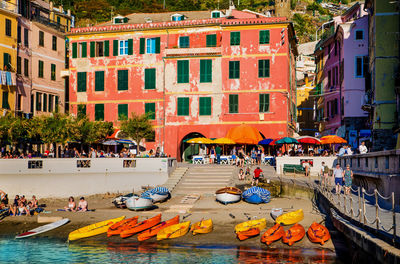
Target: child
(256, 177)
(241, 174)
(247, 174)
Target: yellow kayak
(290, 218)
(259, 223)
(202, 227)
(174, 231)
(93, 229)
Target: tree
(88, 132)
(138, 127)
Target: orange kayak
(318, 233)
(116, 228)
(149, 233)
(273, 234)
(252, 232)
(130, 230)
(294, 234)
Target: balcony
(48, 22)
(196, 51)
(9, 6)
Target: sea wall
(315, 168)
(65, 177)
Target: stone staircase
(175, 177)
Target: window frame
(184, 44)
(210, 39)
(40, 69)
(121, 108)
(123, 45)
(233, 104)
(147, 108)
(234, 69)
(355, 34)
(41, 38)
(53, 72)
(97, 75)
(261, 106)
(355, 67)
(182, 65)
(180, 101)
(150, 84)
(262, 68)
(97, 109)
(120, 82)
(81, 84)
(26, 67)
(235, 38)
(54, 43)
(8, 27)
(263, 40)
(205, 106)
(205, 76)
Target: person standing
(324, 173)
(93, 153)
(218, 152)
(259, 154)
(348, 179)
(256, 176)
(362, 148)
(338, 174)
(212, 154)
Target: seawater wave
(45, 250)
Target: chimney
(231, 7)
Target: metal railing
(356, 208)
(8, 6)
(48, 22)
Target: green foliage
(138, 127)
(88, 132)
(316, 7)
(304, 26)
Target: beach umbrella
(244, 134)
(224, 141)
(265, 141)
(286, 140)
(309, 140)
(200, 140)
(332, 139)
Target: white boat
(228, 195)
(158, 194)
(159, 197)
(44, 228)
(138, 203)
(275, 212)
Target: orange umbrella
(244, 134)
(332, 139)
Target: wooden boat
(273, 234)
(174, 231)
(318, 233)
(93, 229)
(275, 212)
(130, 230)
(252, 232)
(290, 218)
(116, 228)
(139, 203)
(149, 233)
(202, 227)
(228, 195)
(43, 228)
(294, 234)
(259, 223)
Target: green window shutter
(92, 49)
(51, 103)
(233, 103)
(263, 68)
(149, 79)
(158, 45)
(44, 102)
(184, 42)
(235, 38)
(5, 103)
(205, 71)
(38, 105)
(81, 111)
(122, 111)
(99, 112)
(106, 48)
(40, 69)
(183, 106)
(150, 108)
(53, 72)
(263, 103)
(211, 40)
(122, 80)
(183, 71)
(130, 46)
(81, 81)
(84, 49)
(74, 50)
(142, 45)
(205, 106)
(115, 47)
(56, 104)
(99, 81)
(264, 37)
(234, 69)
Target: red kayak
(149, 233)
(318, 233)
(252, 232)
(273, 234)
(294, 234)
(117, 228)
(130, 230)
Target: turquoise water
(43, 250)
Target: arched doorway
(186, 150)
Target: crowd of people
(20, 205)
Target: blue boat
(256, 195)
(158, 194)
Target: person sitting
(35, 202)
(71, 205)
(3, 197)
(83, 205)
(256, 176)
(23, 200)
(241, 174)
(22, 209)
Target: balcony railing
(8, 6)
(48, 22)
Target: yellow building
(8, 55)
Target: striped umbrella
(264, 194)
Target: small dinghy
(117, 228)
(228, 195)
(43, 228)
(138, 203)
(159, 194)
(256, 195)
(130, 230)
(252, 232)
(120, 200)
(290, 218)
(202, 227)
(149, 233)
(294, 234)
(258, 223)
(174, 231)
(318, 233)
(273, 234)
(275, 212)
(93, 229)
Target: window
(359, 67)
(152, 45)
(329, 79)
(235, 38)
(99, 49)
(359, 34)
(40, 74)
(264, 36)
(53, 72)
(19, 102)
(215, 14)
(234, 69)
(149, 79)
(58, 20)
(99, 112)
(122, 111)
(26, 39)
(19, 65)
(99, 81)
(211, 40)
(32, 102)
(233, 103)
(183, 106)
(177, 17)
(122, 80)
(38, 101)
(8, 27)
(184, 42)
(26, 67)
(205, 106)
(51, 97)
(183, 71)
(81, 81)
(333, 76)
(44, 102)
(5, 103)
(81, 111)
(56, 103)
(263, 68)
(123, 47)
(82, 50)
(150, 108)
(19, 35)
(6, 61)
(264, 103)
(329, 51)
(41, 38)
(54, 43)
(205, 71)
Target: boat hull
(276, 212)
(294, 234)
(93, 229)
(259, 223)
(202, 227)
(318, 233)
(174, 231)
(254, 199)
(252, 232)
(117, 228)
(139, 227)
(273, 234)
(157, 198)
(149, 233)
(290, 218)
(44, 228)
(138, 203)
(227, 198)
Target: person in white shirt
(349, 151)
(362, 148)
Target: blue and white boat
(138, 203)
(158, 194)
(256, 195)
